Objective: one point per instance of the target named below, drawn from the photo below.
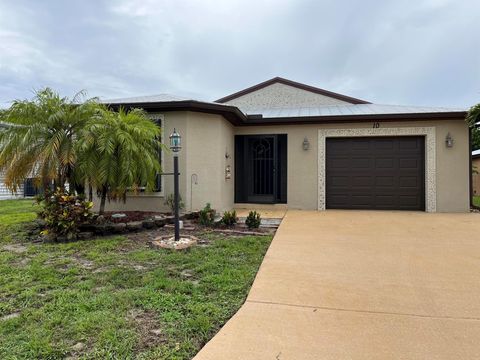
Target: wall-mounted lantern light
(449, 141)
(306, 144)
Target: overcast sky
(421, 52)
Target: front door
(261, 170)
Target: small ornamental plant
(253, 220)
(63, 214)
(229, 218)
(170, 202)
(206, 216)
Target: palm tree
(39, 135)
(119, 153)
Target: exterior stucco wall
(452, 164)
(208, 147)
(210, 138)
(281, 95)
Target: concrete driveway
(362, 285)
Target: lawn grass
(115, 298)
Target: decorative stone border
(430, 156)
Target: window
(158, 190)
(159, 120)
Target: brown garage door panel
(376, 173)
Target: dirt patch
(16, 248)
(148, 327)
(10, 316)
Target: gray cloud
(422, 52)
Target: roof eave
(454, 115)
(231, 113)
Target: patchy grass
(114, 297)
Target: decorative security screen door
(262, 158)
(261, 169)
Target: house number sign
(376, 125)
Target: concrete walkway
(362, 285)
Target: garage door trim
(430, 156)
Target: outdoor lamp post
(175, 146)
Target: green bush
(206, 216)
(63, 214)
(253, 220)
(229, 218)
(170, 202)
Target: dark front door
(375, 173)
(260, 168)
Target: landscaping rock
(134, 226)
(119, 228)
(160, 221)
(85, 235)
(100, 229)
(119, 216)
(191, 215)
(148, 224)
(100, 219)
(169, 219)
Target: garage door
(375, 173)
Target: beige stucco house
(286, 144)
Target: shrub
(229, 218)
(253, 220)
(206, 216)
(63, 214)
(170, 202)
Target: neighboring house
(287, 144)
(7, 194)
(476, 172)
(27, 189)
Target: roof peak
(281, 80)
